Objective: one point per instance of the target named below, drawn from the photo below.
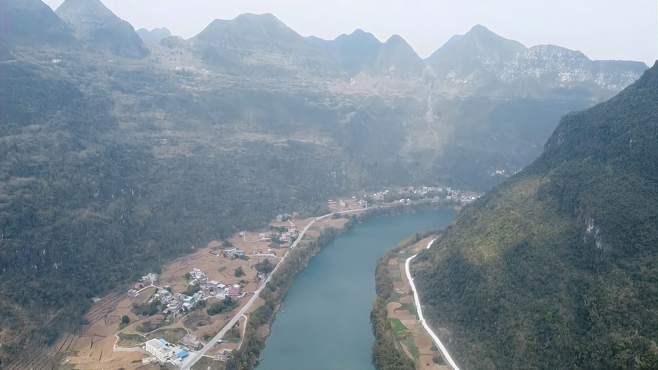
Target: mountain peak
(101, 29)
(31, 21)
(479, 29)
(477, 48)
(397, 40)
(398, 57)
(259, 28)
(74, 9)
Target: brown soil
(93, 348)
(395, 310)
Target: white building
(165, 352)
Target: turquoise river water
(324, 323)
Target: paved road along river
(325, 320)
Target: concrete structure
(165, 352)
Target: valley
(128, 153)
(177, 304)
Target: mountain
(260, 44)
(111, 169)
(556, 268)
(356, 51)
(31, 22)
(478, 49)
(100, 29)
(251, 31)
(397, 57)
(153, 36)
(483, 63)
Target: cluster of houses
(212, 288)
(181, 303)
(234, 253)
(176, 302)
(289, 235)
(146, 281)
(434, 193)
(282, 237)
(165, 353)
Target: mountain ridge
(556, 267)
(99, 28)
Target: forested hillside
(557, 267)
(118, 154)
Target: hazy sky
(602, 29)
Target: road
(435, 338)
(196, 356)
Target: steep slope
(110, 169)
(100, 29)
(397, 58)
(497, 101)
(479, 49)
(356, 51)
(557, 268)
(31, 22)
(484, 63)
(260, 44)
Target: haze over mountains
(556, 268)
(123, 151)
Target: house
(165, 352)
(234, 291)
(265, 236)
(197, 274)
(150, 279)
(234, 253)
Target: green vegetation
(148, 309)
(109, 170)
(191, 289)
(221, 307)
(151, 325)
(399, 329)
(296, 261)
(130, 340)
(387, 353)
(239, 272)
(125, 321)
(558, 267)
(264, 267)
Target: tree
(239, 272)
(265, 266)
(220, 307)
(125, 320)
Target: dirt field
(414, 340)
(95, 347)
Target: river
(324, 323)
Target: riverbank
(107, 342)
(259, 326)
(324, 322)
(401, 341)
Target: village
(166, 318)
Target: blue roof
(183, 354)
